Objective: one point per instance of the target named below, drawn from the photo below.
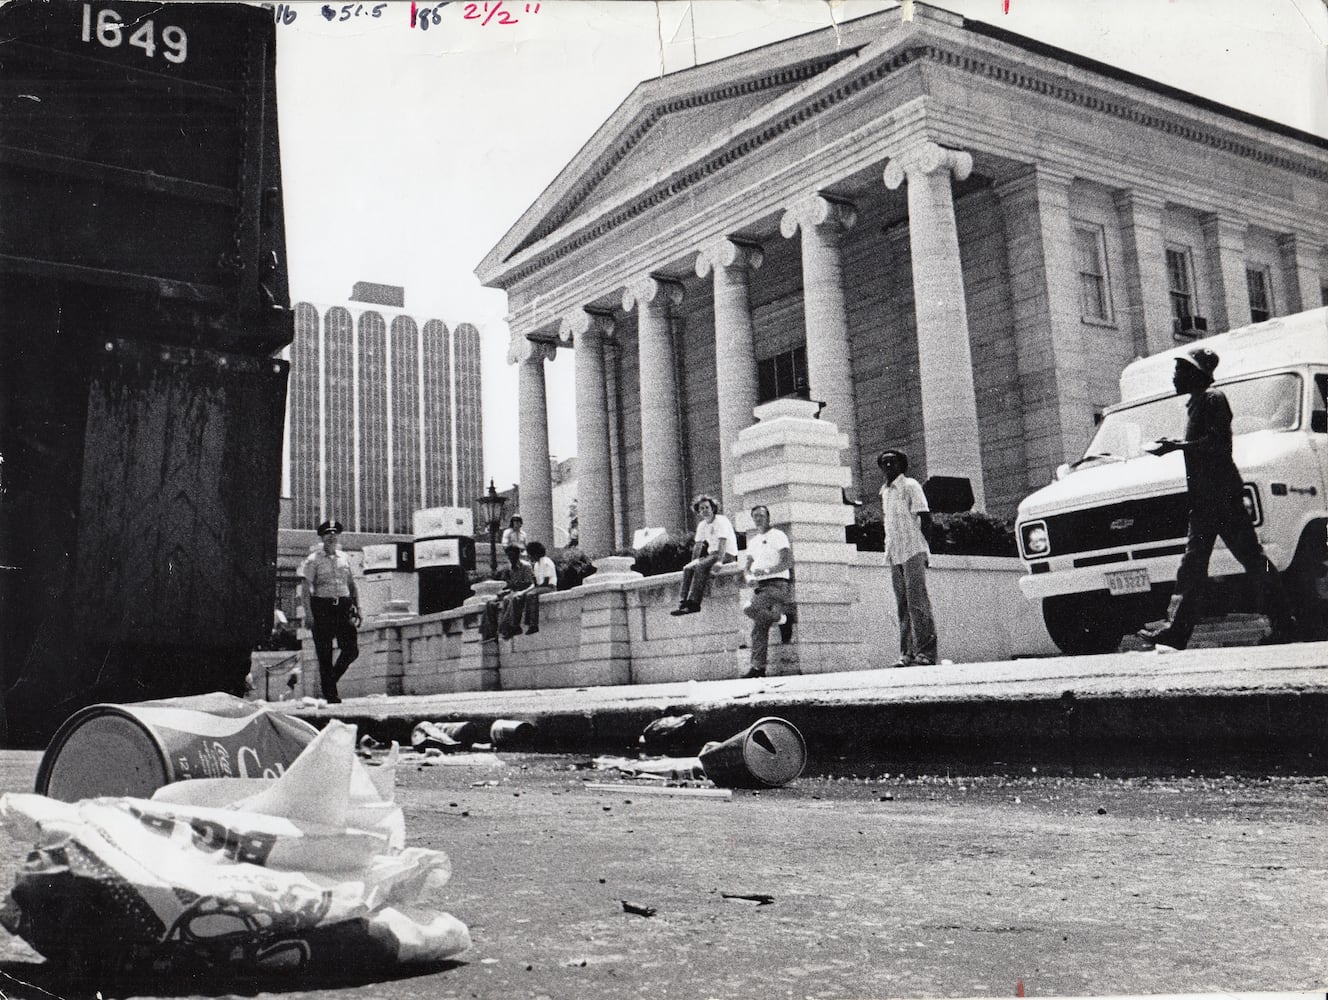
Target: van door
(1318, 427)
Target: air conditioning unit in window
(1189, 327)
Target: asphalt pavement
(873, 884)
(1245, 707)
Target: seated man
(714, 542)
(546, 581)
(520, 579)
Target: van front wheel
(1079, 625)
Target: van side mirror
(1319, 421)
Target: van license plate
(1129, 581)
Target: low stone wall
(621, 632)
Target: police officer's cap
(329, 528)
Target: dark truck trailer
(143, 296)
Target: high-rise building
(383, 417)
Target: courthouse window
(1094, 295)
(1180, 283)
(783, 375)
(1261, 300)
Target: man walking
(331, 606)
(769, 561)
(907, 519)
(1217, 507)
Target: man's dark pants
(332, 621)
(1233, 526)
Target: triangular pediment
(664, 118)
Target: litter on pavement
(305, 873)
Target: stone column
(661, 438)
(823, 222)
(1300, 264)
(945, 359)
(533, 435)
(594, 470)
(1144, 242)
(1048, 320)
(735, 346)
(1224, 249)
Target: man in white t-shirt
(907, 517)
(769, 559)
(714, 543)
(546, 582)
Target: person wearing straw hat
(331, 606)
(1217, 507)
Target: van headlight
(1250, 497)
(1034, 540)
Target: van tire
(1304, 581)
(1080, 624)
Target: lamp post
(491, 506)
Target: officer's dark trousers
(332, 621)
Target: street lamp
(491, 506)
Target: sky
(407, 153)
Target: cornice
(1151, 111)
(793, 74)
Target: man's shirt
(763, 550)
(901, 503)
(327, 575)
(712, 531)
(1211, 475)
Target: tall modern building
(383, 415)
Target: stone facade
(960, 236)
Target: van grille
(1129, 523)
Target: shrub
(971, 533)
(573, 566)
(668, 553)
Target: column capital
(586, 324)
(1301, 241)
(523, 349)
(1033, 178)
(1220, 226)
(818, 212)
(650, 290)
(1128, 198)
(728, 254)
(926, 157)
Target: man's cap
(1201, 359)
(330, 528)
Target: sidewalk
(1205, 708)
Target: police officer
(1217, 506)
(331, 605)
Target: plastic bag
(307, 872)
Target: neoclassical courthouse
(954, 236)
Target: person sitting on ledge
(714, 542)
(520, 579)
(546, 581)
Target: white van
(1102, 543)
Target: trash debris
(680, 790)
(759, 898)
(768, 753)
(672, 735)
(638, 909)
(445, 736)
(671, 768)
(135, 749)
(307, 873)
(511, 733)
(367, 742)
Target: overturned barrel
(135, 749)
(768, 753)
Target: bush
(971, 533)
(573, 566)
(668, 553)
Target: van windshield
(1269, 403)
